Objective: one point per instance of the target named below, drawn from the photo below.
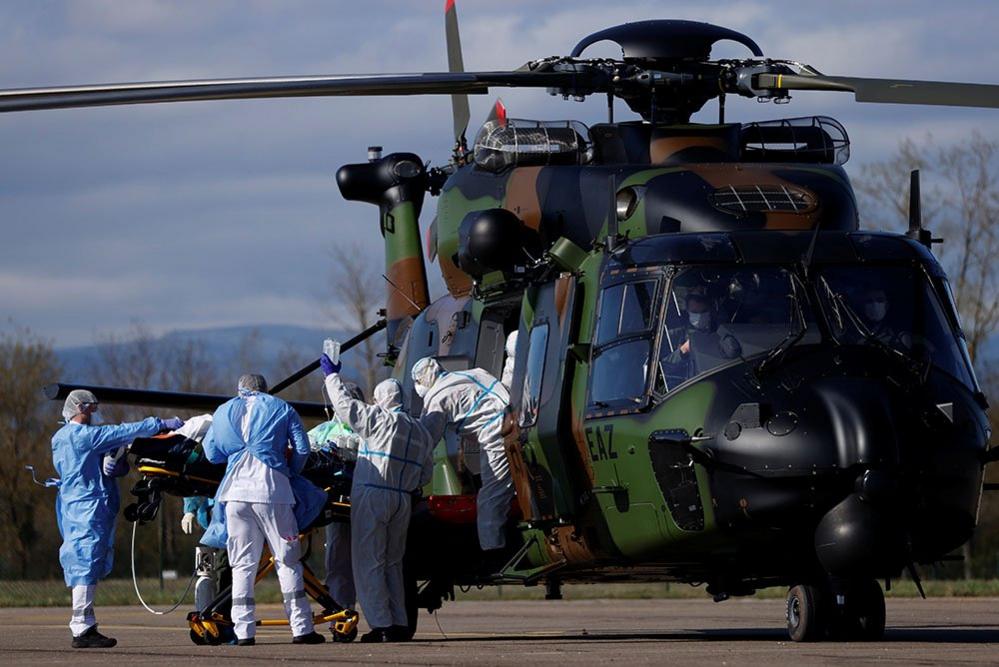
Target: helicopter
(790, 437)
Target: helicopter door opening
(542, 405)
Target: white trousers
(249, 525)
(379, 520)
(492, 504)
(83, 609)
(339, 574)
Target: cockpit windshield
(893, 306)
(714, 315)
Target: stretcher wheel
(345, 637)
(197, 638)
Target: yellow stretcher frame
(209, 630)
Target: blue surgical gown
(88, 501)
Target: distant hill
(269, 342)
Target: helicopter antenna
(455, 64)
(916, 230)
(404, 295)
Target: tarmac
(526, 633)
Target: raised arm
(359, 416)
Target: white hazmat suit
(394, 461)
(472, 403)
(511, 358)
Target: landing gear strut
(844, 611)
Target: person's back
(474, 396)
(472, 404)
(251, 433)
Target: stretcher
(174, 465)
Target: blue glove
(172, 424)
(329, 368)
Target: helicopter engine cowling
(495, 240)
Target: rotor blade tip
(448, 5)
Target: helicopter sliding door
(541, 402)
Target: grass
(119, 592)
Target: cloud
(200, 214)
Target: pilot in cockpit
(702, 327)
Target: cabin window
(626, 309)
(536, 354)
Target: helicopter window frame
(659, 275)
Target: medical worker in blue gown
(264, 500)
(471, 404)
(89, 458)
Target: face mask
(700, 321)
(875, 310)
(96, 419)
(421, 391)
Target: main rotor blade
(436, 83)
(892, 91)
(455, 63)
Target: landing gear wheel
(805, 612)
(864, 616)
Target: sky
(207, 214)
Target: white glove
(187, 523)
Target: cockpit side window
(623, 343)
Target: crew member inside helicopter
(701, 331)
(875, 316)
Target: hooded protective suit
(394, 462)
(511, 358)
(472, 403)
(251, 433)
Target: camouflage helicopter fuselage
(746, 475)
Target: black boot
(249, 641)
(93, 639)
(399, 633)
(377, 635)
(311, 638)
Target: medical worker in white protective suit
(252, 432)
(89, 458)
(394, 462)
(339, 573)
(511, 358)
(472, 403)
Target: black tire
(805, 613)
(866, 609)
